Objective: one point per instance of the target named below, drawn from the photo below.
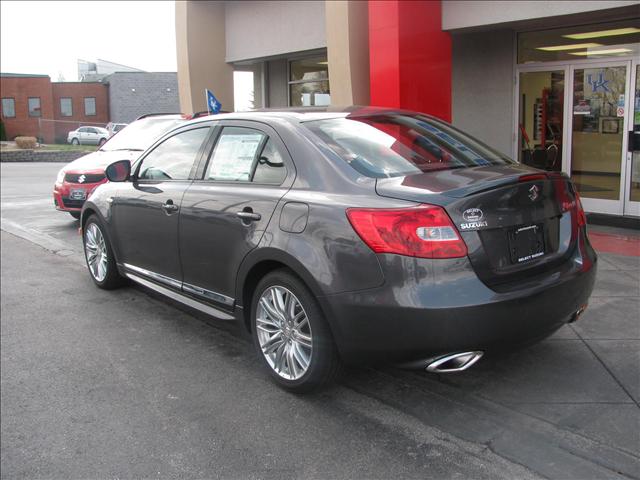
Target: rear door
(226, 210)
(146, 210)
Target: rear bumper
(429, 308)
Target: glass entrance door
(540, 131)
(598, 135)
(632, 194)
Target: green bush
(3, 132)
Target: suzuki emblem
(533, 192)
(81, 179)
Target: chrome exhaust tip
(577, 313)
(454, 362)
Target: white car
(114, 128)
(88, 136)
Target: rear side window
(389, 145)
(173, 158)
(270, 166)
(245, 155)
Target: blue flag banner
(213, 104)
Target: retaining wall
(61, 156)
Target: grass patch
(51, 148)
(68, 147)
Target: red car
(78, 179)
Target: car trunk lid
(516, 222)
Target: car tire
(102, 142)
(75, 215)
(99, 256)
(75, 141)
(300, 355)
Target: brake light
(580, 215)
(425, 231)
(532, 177)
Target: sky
(48, 37)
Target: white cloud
(48, 37)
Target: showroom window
(89, 106)
(66, 108)
(8, 107)
(309, 82)
(34, 107)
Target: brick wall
(78, 91)
(132, 94)
(20, 89)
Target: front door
(632, 193)
(600, 100)
(226, 211)
(146, 210)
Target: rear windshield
(394, 144)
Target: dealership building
(552, 84)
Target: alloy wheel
(95, 250)
(284, 332)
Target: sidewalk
(585, 378)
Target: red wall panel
(410, 56)
(383, 53)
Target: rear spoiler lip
(509, 180)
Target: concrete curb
(41, 239)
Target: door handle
(170, 207)
(249, 216)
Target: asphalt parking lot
(124, 384)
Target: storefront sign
(600, 84)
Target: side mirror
(119, 171)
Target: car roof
(297, 115)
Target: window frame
(196, 161)
(290, 82)
(95, 107)
(70, 104)
(269, 133)
(39, 111)
(13, 100)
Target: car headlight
(60, 177)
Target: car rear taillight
(580, 215)
(574, 206)
(532, 177)
(425, 231)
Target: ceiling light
(575, 46)
(603, 33)
(610, 51)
